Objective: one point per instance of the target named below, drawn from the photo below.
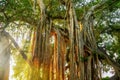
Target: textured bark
(71, 37)
(55, 58)
(83, 37)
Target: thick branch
(115, 65)
(97, 7)
(15, 44)
(93, 8)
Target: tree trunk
(4, 56)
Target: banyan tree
(63, 38)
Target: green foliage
(83, 59)
(106, 78)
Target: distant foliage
(106, 78)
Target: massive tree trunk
(83, 44)
(80, 48)
(41, 51)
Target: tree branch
(15, 44)
(98, 6)
(114, 64)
